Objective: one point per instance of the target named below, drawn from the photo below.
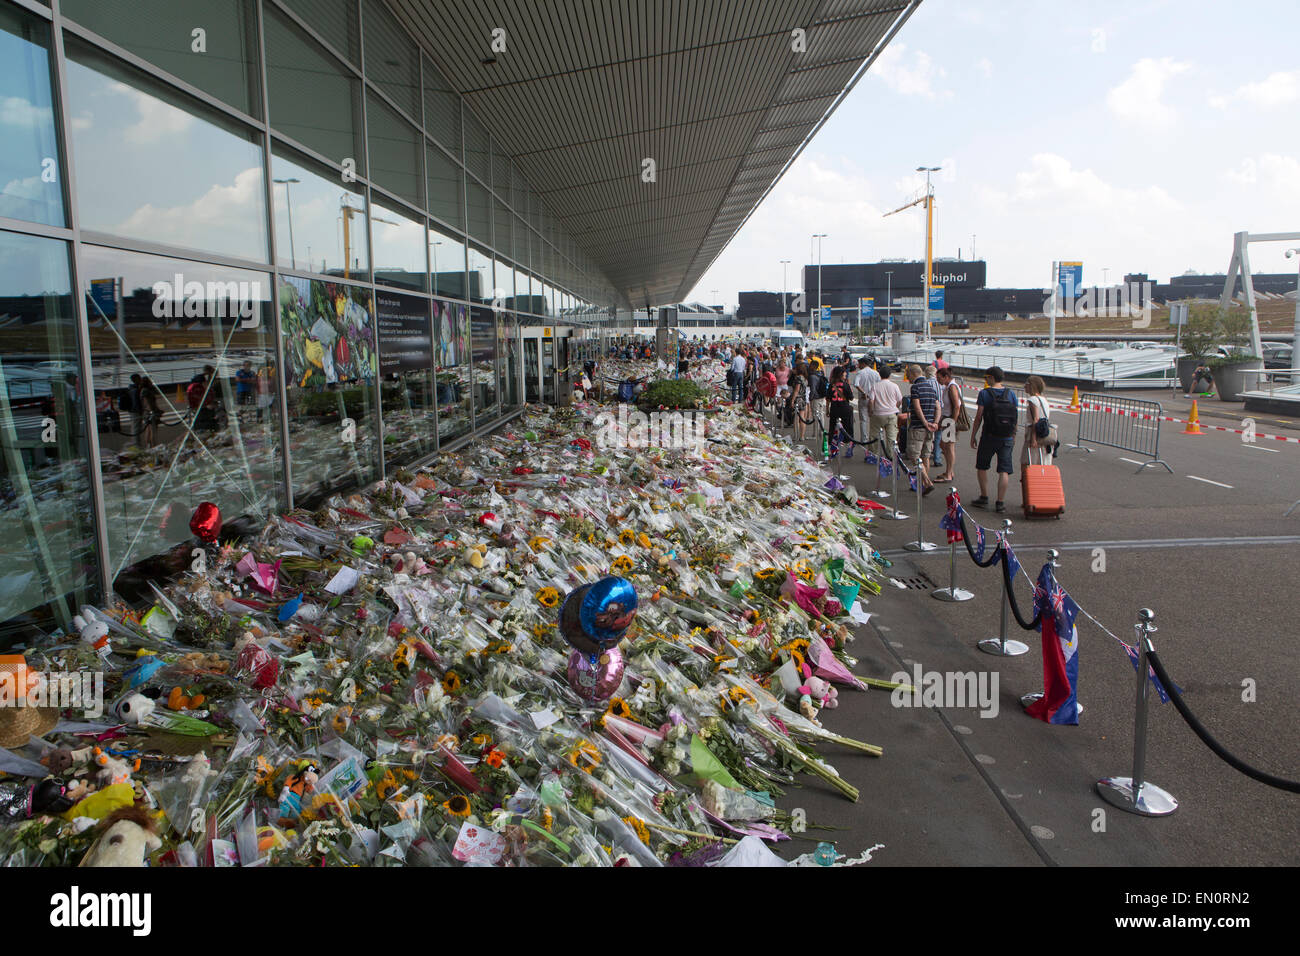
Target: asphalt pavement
(1206, 547)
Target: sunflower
(622, 564)
(626, 536)
(548, 597)
(481, 740)
(639, 828)
(538, 543)
(457, 806)
(585, 756)
(765, 574)
(451, 682)
(619, 708)
(447, 742)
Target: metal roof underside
(711, 90)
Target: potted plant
(1220, 339)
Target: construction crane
(928, 199)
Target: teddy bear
(814, 693)
(126, 838)
(112, 770)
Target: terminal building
(258, 252)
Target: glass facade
(244, 267)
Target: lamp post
(1295, 329)
(889, 299)
(293, 259)
(784, 308)
(819, 236)
(929, 243)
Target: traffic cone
(1194, 422)
(1075, 407)
(180, 394)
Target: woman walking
(950, 396)
(1042, 437)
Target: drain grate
(915, 584)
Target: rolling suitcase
(1041, 488)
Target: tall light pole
(889, 298)
(784, 286)
(819, 236)
(293, 258)
(1295, 329)
(929, 243)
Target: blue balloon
(607, 609)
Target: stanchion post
(1000, 646)
(920, 544)
(952, 593)
(880, 440)
(1136, 794)
(894, 513)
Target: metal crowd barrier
(1129, 424)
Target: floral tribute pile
(384, 681)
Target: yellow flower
(548, 597)
(539, 543)
(622, 564)
(451, 682)
(619, 708)
(643, 539)
(585, 756)
(481, 740)
(447, 741)
(457, 806)
(639, 828)
(626, 536)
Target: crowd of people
(860, 403)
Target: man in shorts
(997, 411)
(923, 424)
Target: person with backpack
(925, 403)
(997, 410)
(840, 416)
(818, 388)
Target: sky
(1131, 136)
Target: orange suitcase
(1041, 488)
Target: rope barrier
(1031, 625)
(961, 516)
(1236, 763)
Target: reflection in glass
(445, 181)
(441, 109)
(152, 165)
(406, 377)
(447, 263)
(484, 358)
(480, 275)
(319, 222)
(453, 392)
(396, 148)
(399, 249)
(187, 348)
(47, 563)
(335, 21)
(313, 100)
(328, 332)
(480, 212)
(30, 171)
(392, 59)
(477, 144)
(508, 339)
(160, 33)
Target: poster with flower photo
(329, 332)
(452, 323)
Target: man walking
(997, 411)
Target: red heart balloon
(206, 523)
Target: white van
(787, 337)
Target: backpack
(127, 402)
(819, 385)
(1003, 414)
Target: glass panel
(154, 166)
(396, 162)
(510, 331)
(520, 301)
(310, 208)
(446, 182)
(30, 163)
(447, 262)
(314, 100)
(47, 559)
(221, 61)
(480, 275)
(484, 344)
(503, 283)
(501, 171)
(392, 59)
(501, 227)
(406, 377)
(441, 110)
(335, 21)
(478, 158)
(531, 393)
(330, 364)
(399, 249)
(207, 429)
(452, 323)
(480, 212)
(519, 241)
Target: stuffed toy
(62, 759)
(135, 709)
(93, 632)
(127, 838)
(113, 770)
(298, 785)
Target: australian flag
(1009, 556)
(1155, 681)
(886, 469)
(979, 543)
(951, 521)
(1059, 703)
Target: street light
(784, 308)
(929, 243)
(819, 236)
(293, 259)
(889, 299)
(1295, 329)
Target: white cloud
(1277, 176)
(915, 75)
(1138, 98)
(16, 111)
(157, 121)
(228, 208)
(30, 188)
(1278, 89)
